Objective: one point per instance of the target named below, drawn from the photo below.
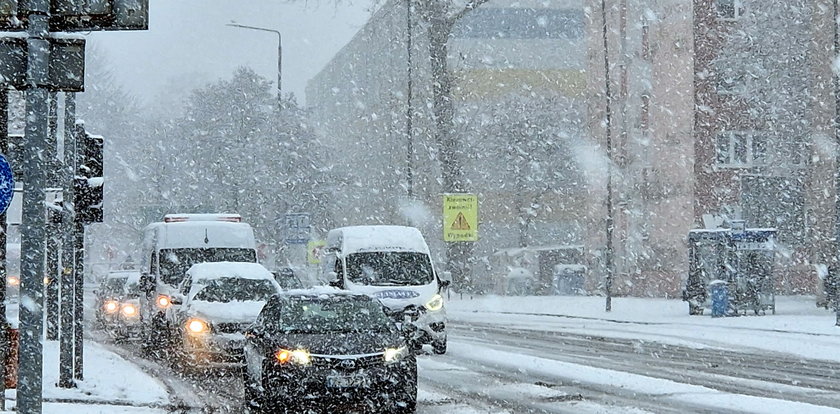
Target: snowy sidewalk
(111, 385)
(798, 327)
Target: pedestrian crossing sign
(460, 217)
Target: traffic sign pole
(30, 381)
(4, 324)
(66, 336)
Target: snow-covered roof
(218, 270)
(319, 291)
(133, 276)
(356, 239)
(196, 234)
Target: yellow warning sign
(460, 217)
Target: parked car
(328, 348)
(215, 304)
(118, 304)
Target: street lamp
(279, 58)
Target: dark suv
(330, 350)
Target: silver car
(216, 303)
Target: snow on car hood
(226, 311)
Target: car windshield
(174, 263)
(232, 289)
(330, 315)
(114, 285)
(389, 268)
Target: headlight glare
(435, 304)
(163, 302)
(297, 356)
(393, 355)
(129, 310)
(111, 306)
(197, 326)
(13, 281)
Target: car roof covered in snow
(218, 270)
(355, 239)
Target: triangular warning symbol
(460, 223)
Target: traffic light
(89, 183)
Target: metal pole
(279, 71)
(4, 324)
(79, 276)
(32, 228)
(834, 278)
(78, 299)
(279, 57)
(608, 254)
(50, 288)
(65, 367)
(409, 173)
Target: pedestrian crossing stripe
(460, 223)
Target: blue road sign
(7, 184)
(298, 228)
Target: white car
(216, 303)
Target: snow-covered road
(505, 361)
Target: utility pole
(279, 58)
(65, 369)
(608, 253)
(409, 172)
(4, 324)
(32, 229)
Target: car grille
(230, 327)
(398, 315)
(348, 364)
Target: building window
(730, 9)
(740, 149)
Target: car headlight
(435, 304)
(129, 310)
(393, 355)
(111, 306)
(163, 301)
(13, 281)
(197, 326)
(297, 356)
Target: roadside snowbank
(798, 327)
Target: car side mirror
(176, 300)
(445, 279)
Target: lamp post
(279, 58)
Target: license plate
(346, 381)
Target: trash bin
(719, 293)
(11, 362)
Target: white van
(172, 246)
(393, 264)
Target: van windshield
(390, 268)
(174, 263)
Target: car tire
(405, 402)
(253, 396)
(439, 346)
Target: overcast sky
(188, 42)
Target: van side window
(338, 269)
